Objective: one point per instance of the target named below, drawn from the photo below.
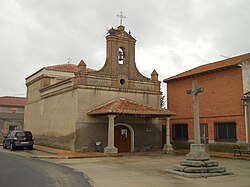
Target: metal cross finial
(69, 59)
(121, 16)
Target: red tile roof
(234, 61)
(66, 68)
(124, 106)
(12, 101)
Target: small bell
(120, 55)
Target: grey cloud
(36, 33)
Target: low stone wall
(222, 147)
(181, 144)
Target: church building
(117, 108)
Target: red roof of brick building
(230, 62)
(12, 101)
(124, 106)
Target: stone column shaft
(168, 131)
(197, 139)
(111, 150)
(246, 120)
(168, 149)
(111, 130)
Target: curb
(44, 151)
(55, 155)
(218, 156)
(64, 157)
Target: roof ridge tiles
(126, 106)
(210, 67)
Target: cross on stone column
(197, 150)
(197, 163)
(194, 92)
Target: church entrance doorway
(122, 138)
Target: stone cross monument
(194, 91)
(197, 163)
(197, 150)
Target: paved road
(26, 172)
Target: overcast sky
(172, 35)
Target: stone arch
(132, 137)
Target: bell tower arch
(120, 55)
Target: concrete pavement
(148, 171)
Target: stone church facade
(74, 107)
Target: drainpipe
(244, 101)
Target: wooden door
(122, 139)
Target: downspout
(245, 105)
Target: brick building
(74, 107)
(223, 117)
(11, 114)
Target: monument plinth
(197, 152)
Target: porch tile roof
(234, 61)
(125, 106)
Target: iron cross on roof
(69, 59)
(121, 16)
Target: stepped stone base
(193, 163)
(198, 164)
(196, 175)
(190, 169)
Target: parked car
(18, 139)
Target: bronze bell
(120, 55)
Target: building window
(180, 131)
(12, 127)
(225, 132)
(122, 81)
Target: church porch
(132, 126)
